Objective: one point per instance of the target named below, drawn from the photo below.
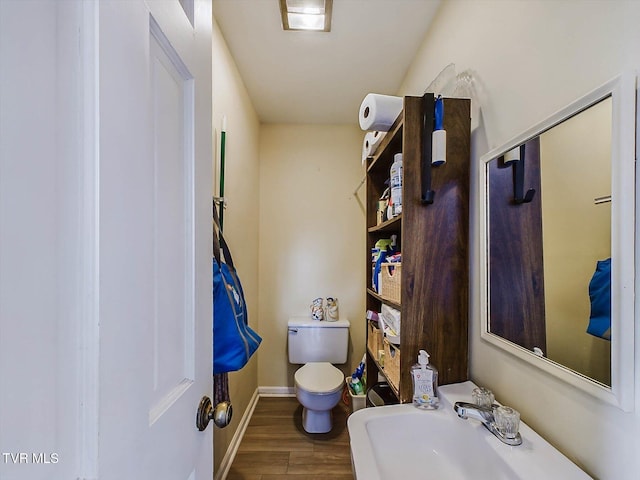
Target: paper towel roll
(378, 112)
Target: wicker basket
(390, 278)
(374, 340)
(392, 364)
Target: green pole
(223, 135)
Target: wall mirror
(558, 253)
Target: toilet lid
(319, 377)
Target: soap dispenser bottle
(425, 383)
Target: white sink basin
(400, 441)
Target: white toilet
(319, 384)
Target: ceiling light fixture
(312, 15)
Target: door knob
(221, 414)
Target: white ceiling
(315, 77)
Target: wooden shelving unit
(433, 239)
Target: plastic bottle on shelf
(396, 184)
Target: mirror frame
(622, 90)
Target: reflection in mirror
(557, 258)
(545, 244)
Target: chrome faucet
(485, 415)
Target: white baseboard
(277, 391)
(225, 465)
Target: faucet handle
(483, 397)
(507, 421)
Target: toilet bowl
(318, 345)
(318, 389)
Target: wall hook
(518, 180)
(427, 195)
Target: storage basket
(392, 364)
(390, 278)
(374, 340)
(357, 401)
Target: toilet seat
(319, 377)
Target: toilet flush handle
(293, 330)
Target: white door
(105, 226)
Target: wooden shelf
(383, 299)
(433, 240)
(390, 225)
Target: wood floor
(275, 446)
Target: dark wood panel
(435, 281)
(516, 306)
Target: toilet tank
(317, 341)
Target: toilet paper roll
(377, 139)
(378, 112)
(366, 146)
(370, 144)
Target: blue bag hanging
(233, 340)
(600, 297)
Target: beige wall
(528, 59)
(241, 216)
(575, 159)
(311, 235)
